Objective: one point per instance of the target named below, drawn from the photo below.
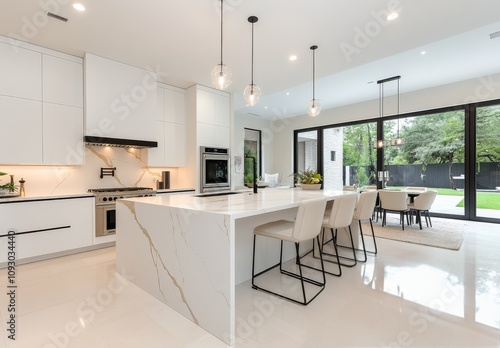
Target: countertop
(44, 197)
(53, 196)
(240, 204)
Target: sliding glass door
(432, 157)
(487, 162)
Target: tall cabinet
(170, 128)
(41, 106)
(208, 124)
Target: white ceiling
(180, 40)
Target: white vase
(310, 186)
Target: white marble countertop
(241, 204)
(44, 197)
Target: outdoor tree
(437, 138)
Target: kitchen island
(191, 252)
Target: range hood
(117, 142)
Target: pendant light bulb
(252, 92)
(314, 107)
(221, 74)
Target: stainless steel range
(105, 205)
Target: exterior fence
(432, 175)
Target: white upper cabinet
(41, 106)
(21, 121)
(175, 105)
(170, 128)
(120, 100)
(20, 72)
(211, 113)
(62, 81)
(62, 134)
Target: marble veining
(155, 255)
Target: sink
(212, 194)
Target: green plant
(308, 176)
(9, 186)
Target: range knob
(110, 199)
(104, 199)
(114, 198)
(121, 197)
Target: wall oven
(105, 206)
(215, 169)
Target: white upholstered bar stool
(340, 216)
(364, 211)
(307, 226)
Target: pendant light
(398, 141)
(252, 92)
(314, 107)
(378, 144)
(221, 74)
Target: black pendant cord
(221, 31)
(398, 108)
(252, 57)
(313, 48)
(252, 20)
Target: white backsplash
(131, 170)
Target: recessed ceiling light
(423, 52)
(392, 16)
(293, 57)
(287, 93)
(265, 107)
(79, 7)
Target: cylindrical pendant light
(252, 92)
(221, 74)
(314, 107)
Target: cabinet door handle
(36, 231)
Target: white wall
(240, 123)
(479, 89)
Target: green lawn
(485, 200)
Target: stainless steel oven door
(105, 219)
(215, 172)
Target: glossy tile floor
(407, 296)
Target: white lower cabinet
(53, 226)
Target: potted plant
(8, 187)
(308, 179)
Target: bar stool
(340, 216)
(306, 226)
(364, 211)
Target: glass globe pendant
(314, 107)
(252, 92)
(221, 74)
